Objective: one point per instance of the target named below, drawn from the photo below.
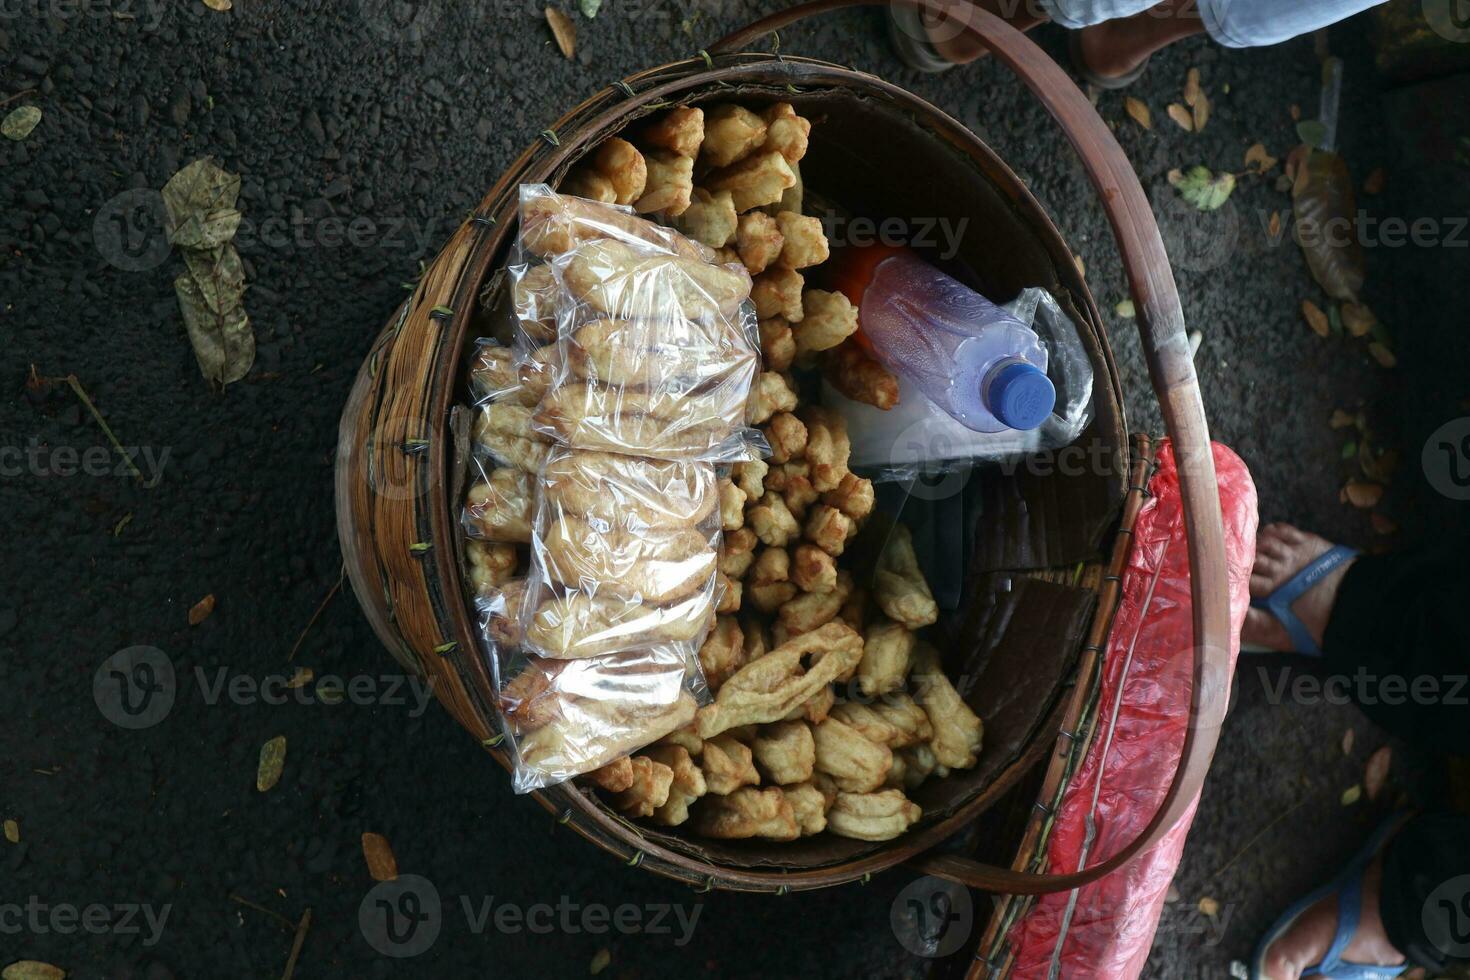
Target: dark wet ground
(323, 116)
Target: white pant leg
(1083, 13)
(1256, 23)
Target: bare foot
(1281, 552)
(1310, 936)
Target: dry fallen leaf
(1191, 87)
(12, 831)
(1257, 157)
(1274, 227)
(272, 760)
(1316, 319)
(1125, 309)
(32, 970)
(382, 865)
(1201, 112)
(1352, 794)
(1358, 319)
(564, 29)
(20, 121)
(1362, 494)
(1376, 771)
(1376, 180)
(1182, 116)
(600, 961)
(219, 4)
(1296, 112)
(200, 611)
(1209, 907)
(1138, 112)
(1347, 742)
(302, 677)
(1382, 354)
(1341, 419)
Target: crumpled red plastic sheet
(1108, 930)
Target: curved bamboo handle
(1171, 368)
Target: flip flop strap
(1279, 603)
(1349, 913)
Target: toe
(1263, 583)
(1273, 546)
(1262, 630)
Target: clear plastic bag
(657, 348)
(624, 554)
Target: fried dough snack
(778, 344)
(769, 585)
(897, 721)
(621, 279)
(809, 806)
(812, 569)
(614, 173)
(786, 132)
(614, 777)
(872, 816)
(578, 625)
(772, 521)
(553, 224)
(756, 180)
(495, 375)
(787, 435)
(828, 528)
(731, 133)
(747, 812)
(772, 394)
(853, 495)
(888, 652)
(727, 765)
(785, 752)
(687, 785)
(811, 610)
(669, 185)
(500, 507)
(958, 731)
(859, 375)
(898, 584)
(499, 613)
(710, 218)
(759, 241)
(803, 241)
(670, 355)
(723, 652)
(492, 564)
(830, 319)
(649, 789)
(854, 763)
(827, 447)
(777, 292)
(631, 492)
(593, 416)
(766, 689)
(737, 552)
(654, 565)
(680, 131)
(533, 299)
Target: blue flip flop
(1279, 603)
(1348, 885)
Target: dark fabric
(1425, 897)
(1399, 635)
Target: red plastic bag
(1109, 928)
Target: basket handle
(1171, 369)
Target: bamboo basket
(1038, 593)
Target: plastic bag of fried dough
(657, 347)
(567, 717)
(624, 555)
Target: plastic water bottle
(970, 357)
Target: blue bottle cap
(1021, 396)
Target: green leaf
(1312, 132)
(1325, 225)
(1334, 319)
(219, 275)
(1125, 309)
(32, 970)
(272, 760)
(200, 189)
(223, 343)
(589, 8)
(1349, 450)
(1202, 188)
(21, 120)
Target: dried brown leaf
(272, 761)
(1274, 226)
(1325, 213)
(564, 29)
(32, 970)
(1296, 112)
(1347, 742)
(1375, 182)
(200, 611)
(12, 831)
(302, 677)
(1358, 319)
(1201, 112)
(221, 5)
(1209, 906)
(1362, 494)
(1376, 772)
(382, 865)
(1256, 158)
(1382, 354)
(1138, 112)
(1315, 318)
(1182, 116)
(1192, 91)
